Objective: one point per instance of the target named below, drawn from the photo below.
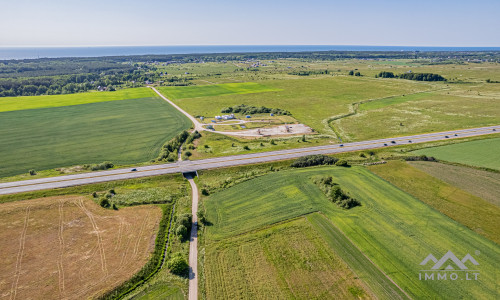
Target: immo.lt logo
(449, 267)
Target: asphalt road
(193, 244)
(234, 160)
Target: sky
(257, 22)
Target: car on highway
(341, 145)
(409, 141)
(394, 142)
(446, 136)
(133, 170)
(385, 144)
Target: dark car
(409, 141)
(133, 170)
(446, 136)
(394, 142)
(385, 144)
(341, 145)
(456, 134)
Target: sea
(7, 53)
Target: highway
(234, 160)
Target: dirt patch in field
(70, 248)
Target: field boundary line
(360, 251)
(20, 253)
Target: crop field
(286, 261)
(123, 132)
(311, 101)
(392, 228)
(68, 247)
(34, 102)
(183, 92)
(480, 183)
(483, 153)
(477, 214)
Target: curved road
(234, 160)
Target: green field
(477, 214)
(483, 153)
(395, 230)
(311, 101)
(286, 261)
(123, 132)
(480, 183)
(34, 102)
(237, 88)
(391, 101)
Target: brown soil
(70, 248)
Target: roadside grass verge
(122, 132)
(483, 153)
(183, 92)
(45, 101)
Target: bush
(201, 217)
(342, 163)
(104, 203)
(188, 153)
(181, 231)
(102, 166)
(246, 148)
(385, 74)
(313, 160)
(420, 158)
(32, 172)
(204, 192)
(273, 142)
(422, 77)
(351, 72)
(178, 265)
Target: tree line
(412, 76)
(249, 110)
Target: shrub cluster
(183, 227)
(102, 166)
(248, 110)
(307, 73)
(178, 265)
(420, 158)
(169, 150)
(385, 74)
(313, 160)
(335, 194)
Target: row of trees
(248, 109)
(412, 76)
(335, 194)
(170, 149)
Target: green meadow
(34, 102)
(123, 132)
(395, 230)
(311, 101)
(237, 88)
(483, 153)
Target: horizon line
(243, 45)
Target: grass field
(286, 261)
(484, 153)
(465, 208)
(480, 183)
(184, 92)
(69, 247)
(123, 132)
(34, 102)
(425, 112)
(311, 101)
(392, 228)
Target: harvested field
(68, 247)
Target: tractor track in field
(20, 253)
(99, 238)
(60, 266)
